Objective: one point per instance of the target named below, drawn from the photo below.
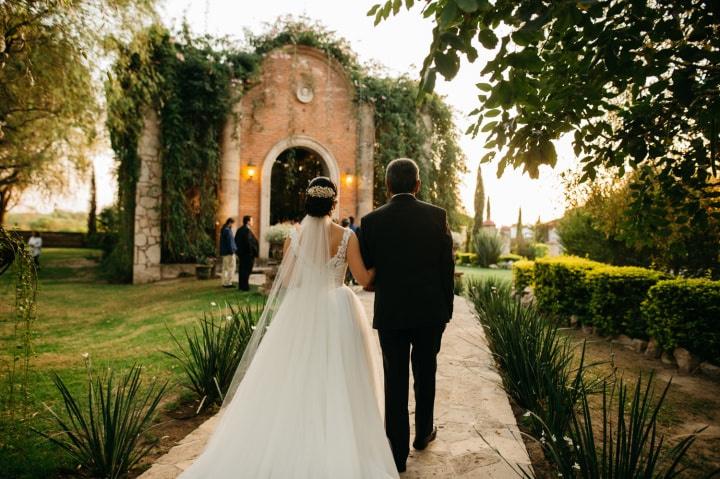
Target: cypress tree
(479, 202)
(92, 215)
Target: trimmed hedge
(522, 273)
(616, 295)
(511, 257)
(560, 286)
(465, 258)
(685, 313)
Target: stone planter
(204, 271)
(276, 251)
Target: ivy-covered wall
(193, 83)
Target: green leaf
(493, 112)
(488, 39)
(484, 86)
(409, 4)
(448, 16)
(467, 6)
(373, 10)
(428, 83)
(489, 126)
(397, 4)
(447, 64)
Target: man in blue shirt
(227, 252)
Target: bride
(304, 402)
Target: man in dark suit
(408, 242)
(247, 251)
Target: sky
(400, 44)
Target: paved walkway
(472, 412)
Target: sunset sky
(399, 44)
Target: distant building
(555, 246)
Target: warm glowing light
(250, 171)
(349, 179)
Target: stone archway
(295, 141)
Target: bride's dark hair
(320, 202)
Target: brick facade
(302, 98)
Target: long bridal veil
(304, 402)
(303, 281)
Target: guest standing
(247, 251)
(352, 225)
(35, 243)
(227, 252)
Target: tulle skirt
(308, 406)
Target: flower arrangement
(278, 233)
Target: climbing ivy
(190, 82)
(193, 82)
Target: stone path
(472, 411)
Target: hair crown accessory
(321, 192)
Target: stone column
(230, 168)
(366, 148)
(148, 201)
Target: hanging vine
(193, 82)
(16, 261)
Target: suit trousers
(228, 269)
(245, 268)
(420, 347)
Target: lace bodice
(339, 262)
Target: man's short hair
(246, 219)
(402, 175)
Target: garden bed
(117, 325)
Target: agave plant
(103, 432)
(536, 362)
(628, 444)
(210, 353)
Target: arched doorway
(305, 146)
(291, 173)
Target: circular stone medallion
(305, 93)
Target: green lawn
(118, 325)
(472, 272)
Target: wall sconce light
(349, 178)
(250, 171)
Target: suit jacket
(246, 242)
(409, 244)
(227, 242)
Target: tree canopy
(636, 82)
(49, 88)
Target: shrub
(211, 355)
(465, 258)
(522, 272)
(539, 250)
(102, 432)
(535, 360)
(626, 444)
(459, 285)
(560, 286)
(686, 313)
(510, 257)
(488, 248)
(616, 294)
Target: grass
(118, 325)
(473, 272)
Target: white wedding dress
(305, 403)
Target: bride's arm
(356, 264)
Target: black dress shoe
(422, 443)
